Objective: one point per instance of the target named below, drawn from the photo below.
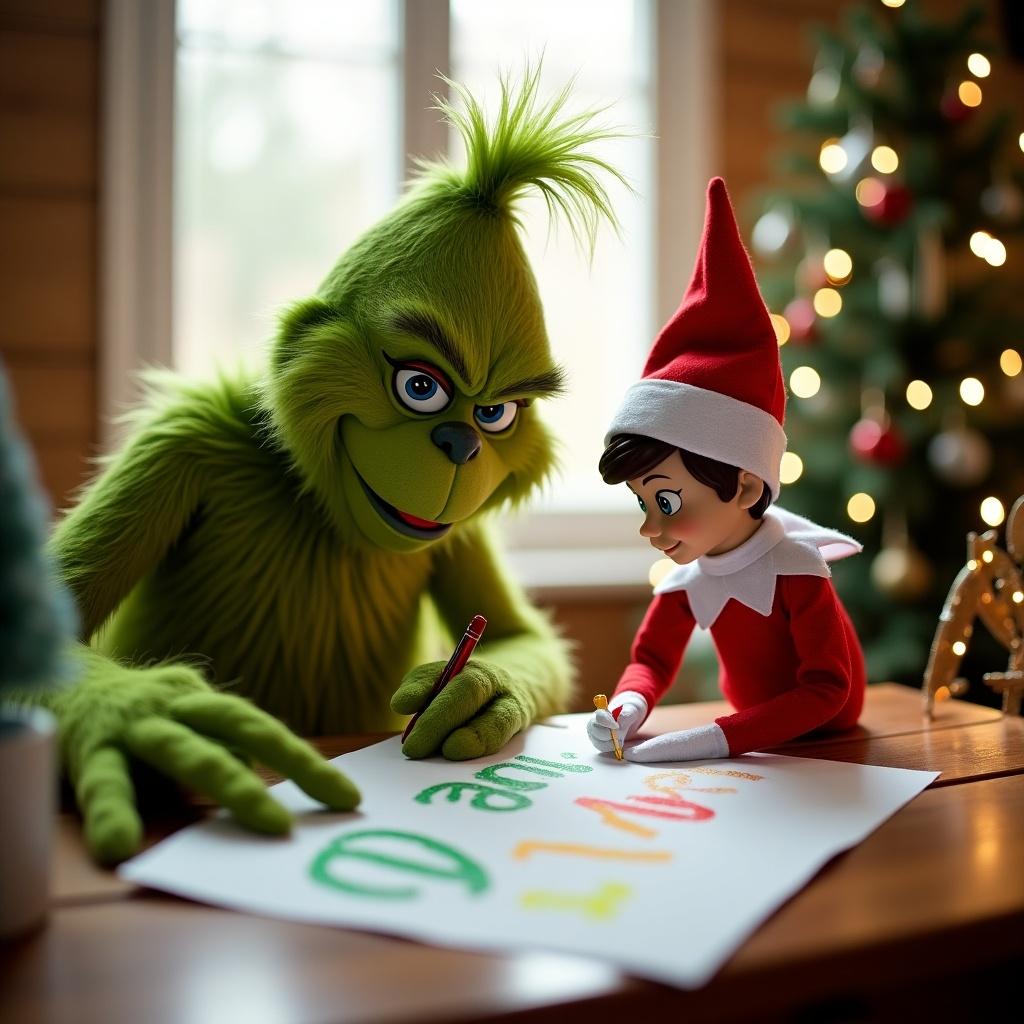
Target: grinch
(273, 555)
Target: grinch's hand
(168, 717)
(477, 713)
(706, 741)
(632, 710)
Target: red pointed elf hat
(713, 382)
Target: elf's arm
(165, 715)
(520, 672)
(655, 656)
(824, 676)
(823, 682)
(658, 648)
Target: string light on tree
(972, 391)
(1010, 362)
(832, 157)
(827, 302)
(869, 191)
(791, 468)
(781, 326)
(992, 512)
(884, 159)
(838, 266)
(919, 395)
(861, 507)
(659, 570)
(893, 3)
(990, 249)
(969, 93)
(978, 65)
(804, 382)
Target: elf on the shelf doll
(699, 441)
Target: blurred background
(172, 173)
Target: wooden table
(926, 915)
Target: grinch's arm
(129, 516)
(165, 715)
(521, 670)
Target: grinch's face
(685, 519)
(439, 431)
(409, 424)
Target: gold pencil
(601, 703)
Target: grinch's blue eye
(640, 502)
(669, 502)
(419, 389)
(495, 418)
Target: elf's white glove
(706, 741)
(601, 723)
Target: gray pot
(28, 808)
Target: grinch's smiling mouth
(404, 522)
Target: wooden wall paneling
(47, 113)
(49, 73)
(48, 275)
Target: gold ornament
(989, 587)
(901, 572)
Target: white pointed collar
(784, 544)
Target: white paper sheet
(661, 869)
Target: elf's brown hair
(628, 456)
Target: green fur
(232, 530)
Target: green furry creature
(292, 538)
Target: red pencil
(456, 663)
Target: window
(287, 147)
(289, 125)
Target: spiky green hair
(530, 145)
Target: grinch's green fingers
(208, 768)
(106, 799)
(462, 698)
(417, 684)
(488, 732)
(234, 721)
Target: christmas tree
(883, 259)
(37, 619)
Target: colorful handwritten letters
(659, 869)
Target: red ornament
(954, 109)
(878, 443)
(803, 322)
(892, 206)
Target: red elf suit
(790, 661)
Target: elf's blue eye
(419, 390)
(495, 418)
(669, 502)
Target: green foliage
(36, 617)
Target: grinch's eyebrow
(550, 382)
(424, 326)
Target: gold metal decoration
(990, 587)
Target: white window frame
(555, 553)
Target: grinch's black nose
(459, 441)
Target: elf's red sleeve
(824, 672)
(658, 647)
